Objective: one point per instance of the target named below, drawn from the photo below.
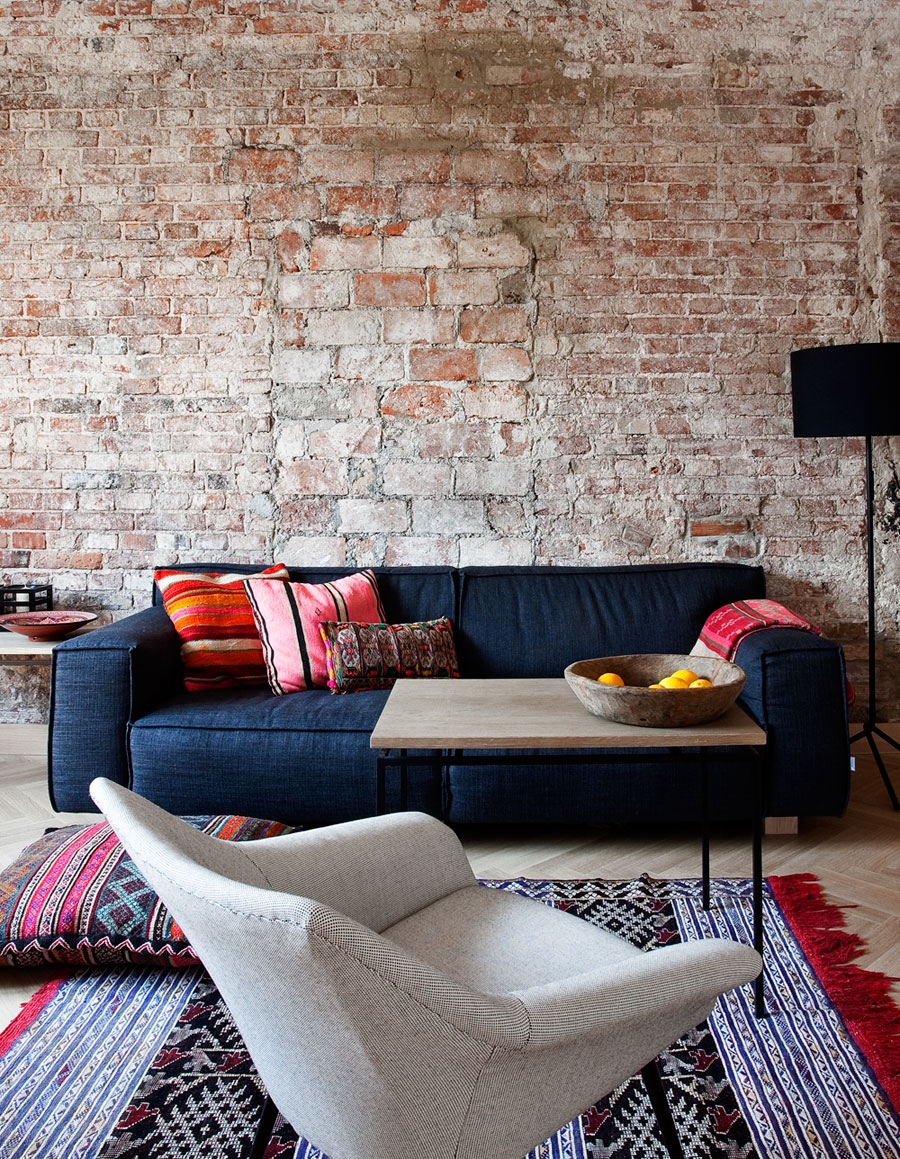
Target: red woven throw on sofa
(727, 626)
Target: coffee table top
(529, 713)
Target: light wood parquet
(856, 857)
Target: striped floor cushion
(75, 897)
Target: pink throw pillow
(288, 616)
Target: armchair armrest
(796, 690)
(683, 980)
(99, 683)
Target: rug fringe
(862, 997)
(30, 1010)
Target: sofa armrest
(100, 682)
(796, 690)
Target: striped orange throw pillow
(220, 646)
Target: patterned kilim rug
(145, 1063)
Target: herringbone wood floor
(857, 857)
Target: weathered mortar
(470, 284)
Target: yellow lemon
(654, 686)
(673, 682)
(686, 675)
(700, 682)
(610, 678)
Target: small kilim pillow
(75, 897)
(220, 645)
(362, 656)
(288, 617)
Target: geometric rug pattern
(145, 1063)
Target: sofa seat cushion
(306, 758)
(243, 710)
(480, 938)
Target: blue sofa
(118, 708)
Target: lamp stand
(870, 728)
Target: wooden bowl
(635, 703)
(46, 625)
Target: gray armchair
(396, 1009)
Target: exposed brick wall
(444, 282)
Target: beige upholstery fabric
(394, 1008)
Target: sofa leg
(660, 1104)
(264, 1129)
(775, 825)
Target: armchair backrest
(376, 870)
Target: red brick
(414, 165)
(344, 253)
(361, 200)
(387, 289)
(291, 249)
(284, 204)
(717, 527)
(434, 364)
(501, 324)
(418, 201)
(489, 166)
(419, 327)
(463, 288)
(262, 166)
(331, 165)
(415, 400)
(29, 540)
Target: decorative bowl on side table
(46, 625)
(636, 703)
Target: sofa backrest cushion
(533, 621)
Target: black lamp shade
(852, 389)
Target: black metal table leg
(382, 762)
(264, 1129)
(449, 756)
(758, 939)
(404, 781)
(380, 774)
(659, 1102)
(704, 828)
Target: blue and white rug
(145, 1063)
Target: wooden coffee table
(435, 722)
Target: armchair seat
(494, 941)
(394, 1007)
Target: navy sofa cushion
(533, 621)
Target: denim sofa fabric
(118, 708)
(517, 622)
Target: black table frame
(403, 759)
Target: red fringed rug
(862, 997)
(139, 1062)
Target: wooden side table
(16, 649)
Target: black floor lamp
(842, 391)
